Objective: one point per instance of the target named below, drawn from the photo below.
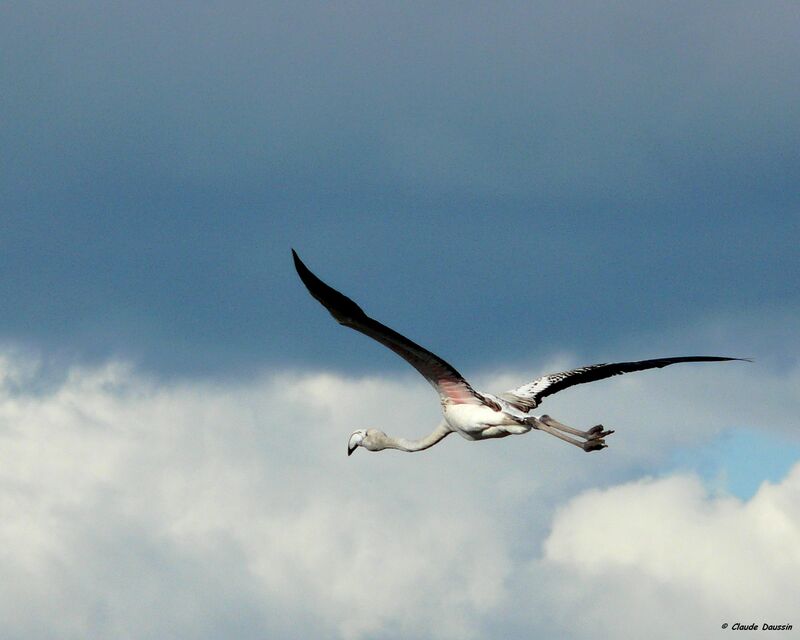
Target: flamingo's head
(370, 439)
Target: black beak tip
(350, 451)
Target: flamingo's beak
(354, 441)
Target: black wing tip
(309, 279)
(298, 263)
(721, 359)
(678, 359)
(339, 305)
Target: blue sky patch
(739, 460)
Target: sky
(519, 187)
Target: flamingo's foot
(594, 438)
(593, 445)
(598, 431)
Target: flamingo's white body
(478, 422)
(472, 414)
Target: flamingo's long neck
(418, 445)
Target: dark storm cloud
(563, 174)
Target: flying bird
(475, 415)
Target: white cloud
(675, 560)
(133, 509)
(136, 509)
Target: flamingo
(474, 415)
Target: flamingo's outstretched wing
(528, 396)
(444, 378)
